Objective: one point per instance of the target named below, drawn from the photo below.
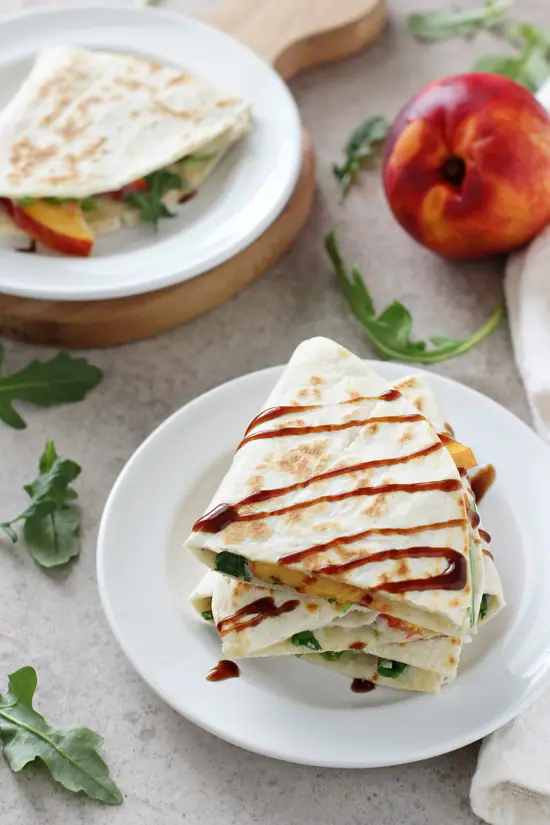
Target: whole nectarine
(467, 166)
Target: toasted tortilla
(335, 413)
(89, 122)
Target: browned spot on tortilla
(26, 156)
(467, 589)
(84, 104)
(452, 660)
(179, 79)
(341, 352)
(255, 483)
(371, 429)
(316, 380)
(132, 84)
(385, 577)
(353, 394)
(294, 516)
(71, 128)
(327, 526)
(61, 105)
(376, 507)
(225, 102)
(303, 393)
(194, 115)
(312, 607)
(363, 480)
(406, 435)
(454, 602)
(401, 644)
(374, 678)
(403, 569)
(419, 404)
(292, 422)
(305, 460)
(134, 113)
(455, 641)
(243, 530)
(239, 587)
(153, 66)
(408, 383)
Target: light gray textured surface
(169, 770)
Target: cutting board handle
(294, 35)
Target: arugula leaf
(69, 753)
(305, 639)
(63, 379)
(389, 668)
(232, 565)
(483, 607)
(361, 144)
(331, 655)
(150, 203)
(207, 615)
(390, 332)
(51, 526)
(443, 25)
(25, 201)
(344, 607)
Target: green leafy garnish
(389, 668)
(443, 25)
(530, 66)
(207, 615)
(87, 204)
(51, 524)
(61, 380)
(305, 639)
(232, 565)
(344, 606)
(390, 332)
(150, 204)
(25, 201)
(69, 753)
(483, 607)
(332, 655)
(360, 145)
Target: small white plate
(283, 707)
(243, 197)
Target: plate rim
(64, 292)
(532, 693)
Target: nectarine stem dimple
(453, 171)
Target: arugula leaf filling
(207, 615)
(305, 639)
(232, 565)
(390, 669)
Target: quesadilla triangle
(95, 140)
(255, 621)
(488, 596)
(341, 489)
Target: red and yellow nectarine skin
(59, 226)
(467, 166)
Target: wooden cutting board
(293, 35)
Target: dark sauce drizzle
(362, 686)
(30, 249)
(256, 612)
(225, 669)
(482, 481)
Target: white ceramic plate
(241, 199)
(283, 707)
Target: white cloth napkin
(511, 785)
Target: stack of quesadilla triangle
(93, 141)
(346, 530)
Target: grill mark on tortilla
(25, 156)
(223, 515)
(329, 428)
(195, 115)
(453, 578)
(257, 611)
(277, 412)
(295, 558)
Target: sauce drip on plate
(225, 669)
(362, 686)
